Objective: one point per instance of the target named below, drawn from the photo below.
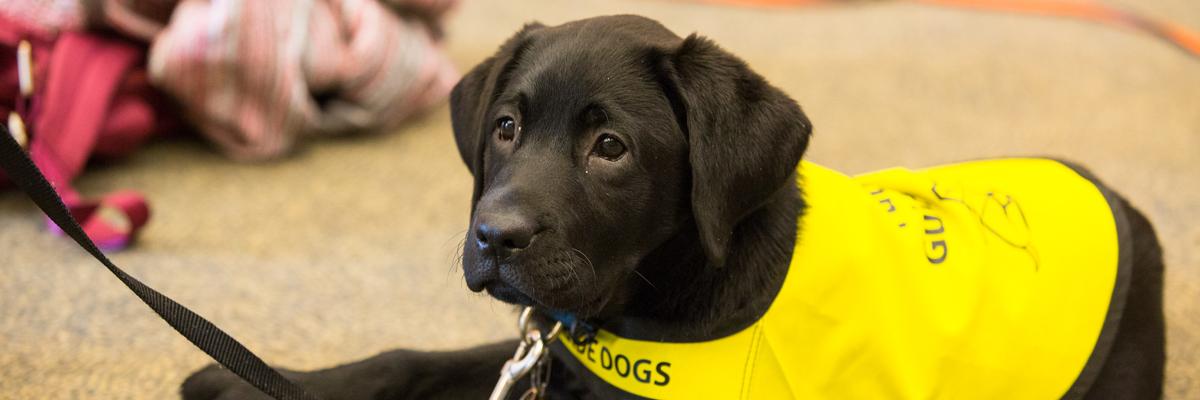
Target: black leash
(212, 340)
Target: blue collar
(580, 331)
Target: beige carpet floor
(347, 249)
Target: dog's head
(594, 142)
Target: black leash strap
(212, 340)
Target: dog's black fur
(673, 238)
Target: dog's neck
(681, 297)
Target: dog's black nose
(501, 235)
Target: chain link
(532, 356)
(539, 378)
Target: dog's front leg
(398, 374)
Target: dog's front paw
(214, 382)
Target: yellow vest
(981, 280)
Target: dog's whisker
(587, 261)
(456, 254)
(457, 258)
(459, 234)
(575, 275)
(639, 274)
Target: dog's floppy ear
(473, 96)
(745, 136)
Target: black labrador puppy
(645, 183)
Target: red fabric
(85, 73)
(91, 97)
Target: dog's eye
(609, 147)
(506, 128)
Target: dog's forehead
(564, 78)
(590, 58)
(573, 78)
(622, 29)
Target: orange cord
(768, 3)
(1175, 34)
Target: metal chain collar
(532, 356)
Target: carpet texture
(348, 248)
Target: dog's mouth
(574, 302)
(508, 294)
(559, 280)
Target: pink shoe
(113, 222)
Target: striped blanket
(256, 75)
